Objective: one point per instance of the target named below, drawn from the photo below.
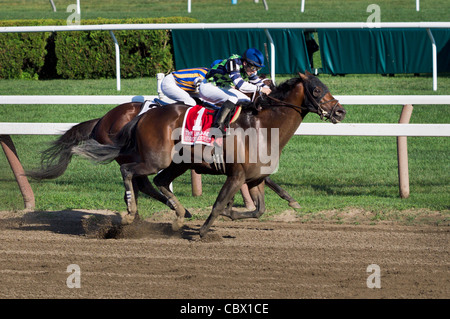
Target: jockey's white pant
(214, 94)
(170, 88)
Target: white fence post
(53, 5)
(434, 56)
(272, 56)
(402, 154)
(116, 45)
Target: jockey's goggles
(252, 67)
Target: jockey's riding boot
(222, 116)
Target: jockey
(181, 85)
(227, 79)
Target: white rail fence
(400, 130)
(349, 129)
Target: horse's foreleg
(228, 209)
(226, 194)
(257, 194)
(282, 193)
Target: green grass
(322, 173)
(222, 11)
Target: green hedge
(86, 54)
(22, 55)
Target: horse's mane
(280, 92)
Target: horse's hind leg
(282, 193)
(130, 196)
(162, 181)
(135, 186)
(130, 172)
(147, 188)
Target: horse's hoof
(127, 219)
(250, 206)
(295, 205)
(177, 224)
(203, 231)
(187, 214)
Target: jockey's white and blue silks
(231, 72)
(229, 80)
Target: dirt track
(248, 259)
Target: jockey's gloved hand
(266, 90)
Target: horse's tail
(124, 143)
(56, 158)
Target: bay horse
(151, 141)
(55, 159)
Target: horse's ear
(308, 73)
(303, 76)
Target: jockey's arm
(253, 85)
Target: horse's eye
(317, 91)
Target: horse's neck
(286, 119)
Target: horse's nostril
(341, 112)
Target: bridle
(318, 105)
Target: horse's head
(318, 99)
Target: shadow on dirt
(102, 225)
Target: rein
(299, 109)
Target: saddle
(149, 104)
(197, 123)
